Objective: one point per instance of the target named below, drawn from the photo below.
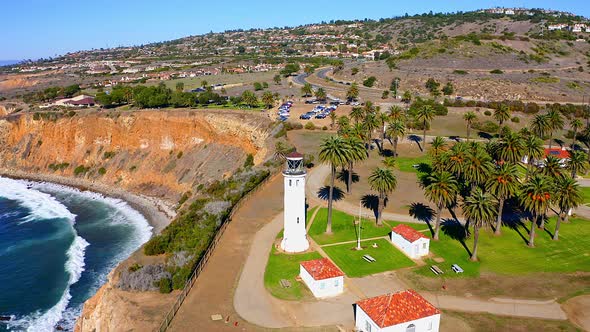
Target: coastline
(157, 212)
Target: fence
(203, 261)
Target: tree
(501, 114)
(397, 113)
(478, 165)
(576, 124)
(478, 209)
(268, 99)
(455, 160)
(535, 199)
(540, 125)
(370, 123)
(369, 81)
(290, 68)
(179, 86)
(407, 97)
(566, 196)
(432, 85)
(511, 149)
(503, 184)
(396, 130)
(425, 114)
(357, 114)
(437, 146)
(552, 167)
(442, 190)
(394, 86)
(343, 124)
(577, 162)
(335, 152)
(353, 92)
(356, 153)
(469, 118)
(533, 150)
(277, 79)
(555, 122)
(354, 71)
(385, 94)
(204, 83)
(249, 98)
(383, 181)
(333, 118)
(448, 89)
(320, 94)
(308, 70)
(307, 90)
(382, 119)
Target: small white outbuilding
(322, 277)
(410, 241)
(405, 311)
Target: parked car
(320, 116)
(305, 116)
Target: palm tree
(333, 118)
(343, 123)
(576, 124)
(357, 114)
(577, 162)
(438, 145)
(335, 152)
(306, 89)
(370, 123)
(357, 153)
(535, 199)
(552, 167)
(396, 130)
(540, 125)
(479, 209)
(511, 148)
(555, 121)
(389, 162)
(533, 149)
(396, 113)
(503, 183)
(455, 159)
(502, 114)
(382, 119)
(442, 190)
(383, 181)
(353, 92)
(566, 196)
(425, 114)
(469, 118)
(320, 94)
(477, 167)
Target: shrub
(155, 246)
(310, 126)
(515, 119)
(249, 161)
(109, 154)
(165, 285)
(496, 71)
(325, 128)
(102, 171)
(292, 125)
(132, 168)
(487, 113)
(179, 155)
(81, 170)
(37, 116)
(180, 277)
(370, 81)
(135, 267)
(487, 126)
(460, 72)
(184, 197)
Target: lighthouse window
(289, 183)
(297, 182)
(297, 219)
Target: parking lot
(297, 109)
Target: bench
(436, 270)
(285, 283)
(369, 259)
(456, 268)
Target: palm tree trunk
(382, 138)
(380, 207)
(468, 131)
(475, 242)
(437, 225)
(532, 232)
(574, 138)
(349, 181)
(424, 135)
(395, 146)
(498, 229)
(330, 198)
(542, 226)
(550, 139)
(557, 224)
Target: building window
(423, 245)
(336, 282)
(429, 325)
(411, 328)
(367, 326)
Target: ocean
(57, 245)
(8, 62)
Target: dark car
(305, 116)
(320, 116)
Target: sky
(44, 28)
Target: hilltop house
(560, 153)
(405, 311)
(413, 243)
(322, 277)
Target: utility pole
(358, 241)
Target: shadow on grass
(455, 138)
(371, 202)
(324, 192)
(423, 213)
(343, 177)
(387, 153)
(416, 139)
(456, 231)
(517, 225)
(484, 135)
(424, 168)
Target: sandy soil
(578, 311)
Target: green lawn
(585, 194)
(405, 164)
(286, 266)
(343, 228)
(509, 255)
(353, 265)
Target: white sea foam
(34, 196)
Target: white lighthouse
(294, 233)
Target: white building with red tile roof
(322, 277)
(413, 243)
(405, 311)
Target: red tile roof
(408, 233)
(392, 309)
(321, 269)
(294, 154)
(557, 153)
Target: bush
(109, 154)
(310, 126)
(325, 128)
(515, 119)
(81, 170)
(135, 267)
(487, 126)
(487, 113)
(102, 171)
(370, 81)
(155, 246)
(460, 72)
(292, 125)
(165, 285)
(180, 278)
(179, 155)
(249, 161)
(496, 71)
(184, 197)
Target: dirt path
(578, 309)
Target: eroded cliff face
(156, 153)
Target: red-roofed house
(413, 243)
(322, 277)
(405, 311)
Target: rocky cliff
(159, 154)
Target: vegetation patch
(545, 79)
